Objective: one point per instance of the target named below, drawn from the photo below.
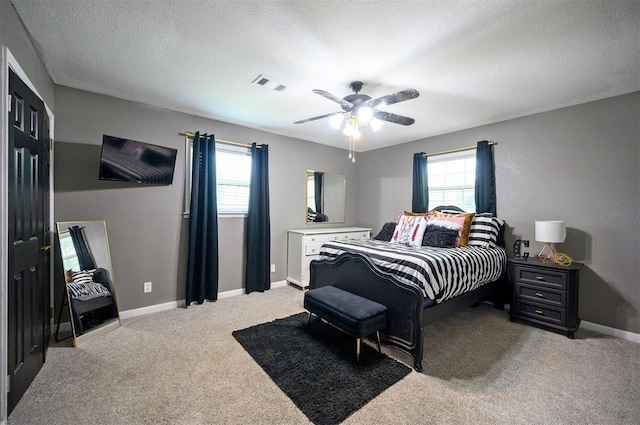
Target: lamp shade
(551, 231)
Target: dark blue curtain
(485, 179)
(202, 264)
(317, 189)
(85, 260)
(257, 270)
(420, 197)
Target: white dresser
(304, 246)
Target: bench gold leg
(308, 318)
(357, 350)
(379, 347)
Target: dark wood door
(29, 243)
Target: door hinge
(8, 383)
(51, 313)
(9, 97)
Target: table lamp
(550, 232)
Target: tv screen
(131, 161)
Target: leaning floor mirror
(88, 277)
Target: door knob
(45, 247)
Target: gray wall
(578, 164)
(14, 36)
(147, 233)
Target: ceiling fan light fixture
(352, 127)
(336, 121)
(349, 130)
(358, 110)
(365, 114)
(375, 124)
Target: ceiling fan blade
(346, 106)
(319, 117)
(396, 119)
(390, 99)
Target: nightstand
(545, 293)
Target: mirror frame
(103, 261)
(309, 173)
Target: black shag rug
(316, 366)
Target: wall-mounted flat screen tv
(128, 160)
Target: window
(452, 180)
(233, 174)
(68, 252)
(311, 193)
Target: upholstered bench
(352, 314)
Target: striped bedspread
(441, 273)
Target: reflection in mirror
(325, 197)
(88, 277)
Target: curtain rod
(425, 155)
(67, 230)
(226, 142)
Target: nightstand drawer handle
(540, 277)
(539, 295)
(538, 311)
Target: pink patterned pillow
(456, 223)
(409, 230)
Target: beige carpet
(183, 366)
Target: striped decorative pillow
(83, 287)
(484, 230)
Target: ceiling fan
(363, 109)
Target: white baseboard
(606, 330)
(151, 309)
(595, 327)
(181, 303)
(279, 284)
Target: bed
(417, 284)
(92, 301)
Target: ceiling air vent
(269, 83)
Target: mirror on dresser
(88, 277)
(325, 197)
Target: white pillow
(409, 230)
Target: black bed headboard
(449, 208)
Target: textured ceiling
(473, 62)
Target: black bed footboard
(355, 273)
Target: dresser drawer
(353, 235)
(542, 295)
(539, 312)
(312, 249)
(313, 239)
(538, 276)
(306, 265)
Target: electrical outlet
(526, 244)
(147, 287)
(273, 268)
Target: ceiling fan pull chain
(352, 152)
